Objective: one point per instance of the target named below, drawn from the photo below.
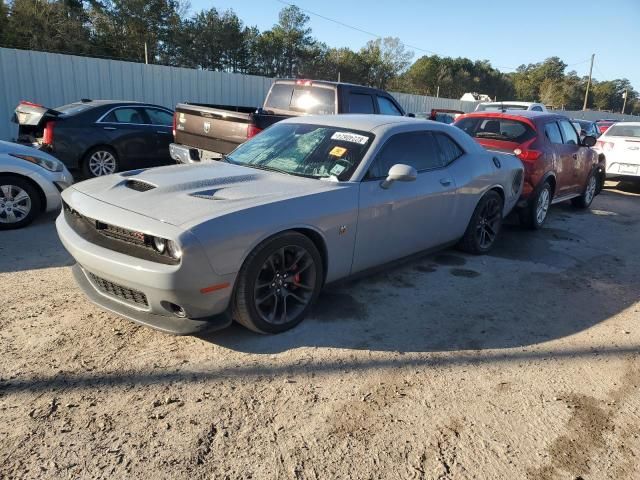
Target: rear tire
(278, 283)
(589, 193)
(20, 202)
(100, 161)
(535, 213)
(484, 226)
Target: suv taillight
(527, 155)
(47, 134)
(605, 146)
(252, 131)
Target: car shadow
(535, 286)
(32, 247)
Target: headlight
(48, 164)
(174, 250)
(159, 244)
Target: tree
(385, 58)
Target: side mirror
(589, 141)
(412, 115)
(399, 173)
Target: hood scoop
(139, 186)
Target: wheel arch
(41, 196)
(550, 177)
(312, 233)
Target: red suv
(558, 165)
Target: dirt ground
(524, 364)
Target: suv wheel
(584, 200)
(534, 215)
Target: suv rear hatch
(497, 131)
(35, 123)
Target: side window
(360, 103)
(552, 131)
(159, 117)
(387, 107)
(449, 149)
(569, 133)
(416, 149)
(125, 115)
(536, 109)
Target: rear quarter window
(490, 128)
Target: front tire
(100, 161)
(20, 202)
(484, 225)
(589, 193)
(534, 215)
(278, 283)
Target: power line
(375, 35)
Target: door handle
(109, 128)
(575, 156)
(445, 182)
(161, 132)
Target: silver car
(254, 237)
(30, 183)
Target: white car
(30, 183)
(620, 145)
(499, 106)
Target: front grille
(114, 290)
(139, 186)
(122, 234)
(118, 239)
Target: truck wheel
(484, 225)
(19, 202)
(584, 200)
(100, 161)
(278, 283)
(534, 215)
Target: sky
(507, 33)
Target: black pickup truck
(206, 132)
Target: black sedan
(99, 136)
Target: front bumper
(158, 287)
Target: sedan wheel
(19, 202)
(101, 162)
(278, 283)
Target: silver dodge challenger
(255, 236)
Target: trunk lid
(32, 119)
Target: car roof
(529, 114)
(514, 102)
(363, 122)
(101, 103)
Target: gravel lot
(521, 364)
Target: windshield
(72, 108)
(498, 107)
(306, 150)
(490, 128)
(622, 130)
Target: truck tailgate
(213, 128)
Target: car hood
(188, 194)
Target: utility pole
(586, 94)
(624, 95)
(438, 92)
(146, 56)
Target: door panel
(161, 123)
(130, 134)
(406, 218)
(571, 159)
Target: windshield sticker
(337, 170)
(350, 137)
(337, 151)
